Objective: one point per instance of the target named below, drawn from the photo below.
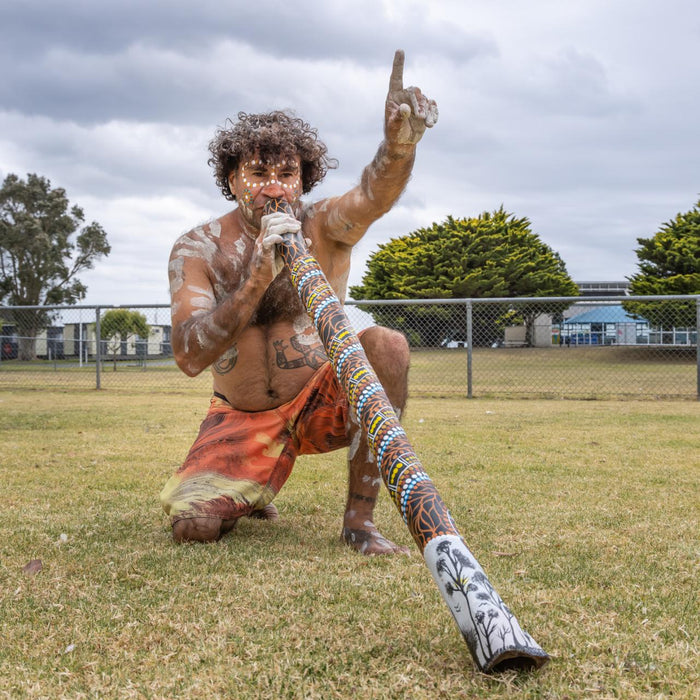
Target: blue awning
(613, 313)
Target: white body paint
(215, 228)
(176, 273)
(202, 246)
(205, 300)
(240, 246)
(354, 445)
(306, 331)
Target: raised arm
(407, 114)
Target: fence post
(469, 348)
(697, 342)
(98, 351)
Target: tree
(492, 255)
(117, 325)
(39, 261)
(669, 263)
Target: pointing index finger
(396, 80)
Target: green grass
(578, 373)
(584, 515)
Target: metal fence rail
(564, 347)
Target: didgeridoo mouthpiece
(273, 206)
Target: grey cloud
(572, 82)
(87, 62)
(583, 120)
(302, 29)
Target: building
(603, 325)
(604, 289)
(48, 343)
(79, 341)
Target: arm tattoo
(360, 497)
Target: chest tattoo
(227, 361)
(309, 355)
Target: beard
(280, 302)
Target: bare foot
(369, 541)
(269, 512)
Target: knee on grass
(200, 529)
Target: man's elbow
(190, 370)
(191, 366)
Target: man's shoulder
(203, 237)
(310, 210)
(326, 220)
(210, 229)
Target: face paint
(256, 174)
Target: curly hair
(270, 135)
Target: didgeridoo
(495, 639)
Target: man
(234, 309)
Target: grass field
(578, 373)
(585, 515)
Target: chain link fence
(566, 347)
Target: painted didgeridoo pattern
(494, 637)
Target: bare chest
(269, 365)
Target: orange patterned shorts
(240, 460)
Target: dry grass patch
(584, 515)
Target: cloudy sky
(581, 115)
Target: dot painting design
(398, 465)
(488, 627)
(411, 489)
(274, 179)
